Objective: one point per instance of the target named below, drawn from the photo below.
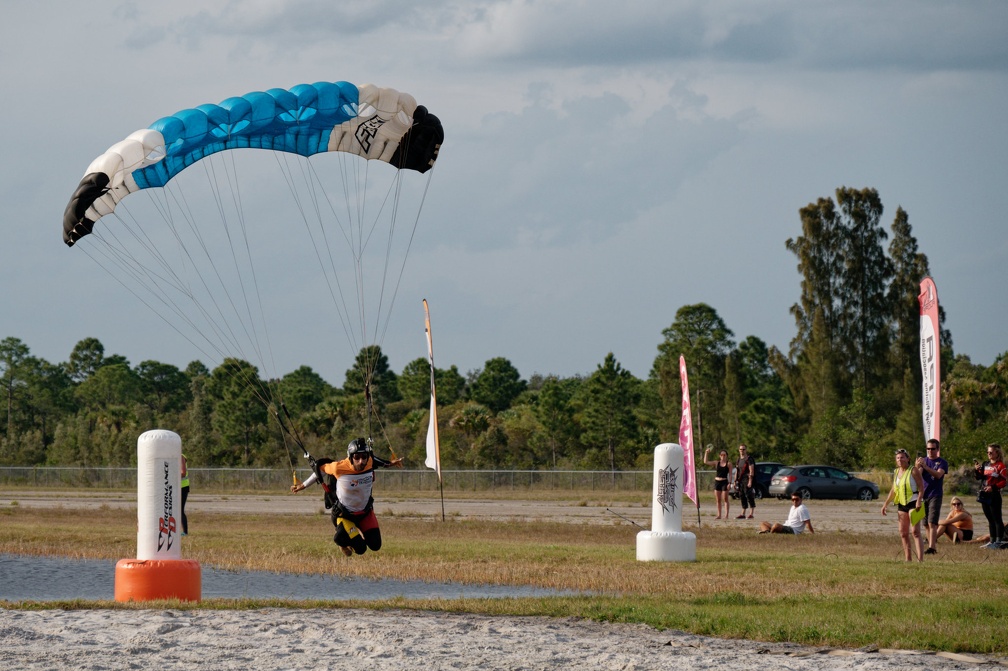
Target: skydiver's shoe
(930, 551)
(346, 550)
(990, 546)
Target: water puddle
(59, 578)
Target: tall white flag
(433, 443)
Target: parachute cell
(372, 122)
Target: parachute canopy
(375, 123)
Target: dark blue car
(761, 481)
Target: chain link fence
(391, 480)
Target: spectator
(722, 476)
(745, 471)
(185, 495)
(992, 474)
(933, 469)
(797, 520)
(908, 485)
(958, 526)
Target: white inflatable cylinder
(667, 541)
(159, 495)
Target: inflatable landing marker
(158, 572)
(666, 541)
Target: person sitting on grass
(958, 526)
(798, 518)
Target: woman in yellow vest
(906, 493)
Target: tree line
(847, 391)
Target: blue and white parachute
(230, 248)
(375, 123)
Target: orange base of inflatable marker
(156, 579)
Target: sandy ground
(277, 639)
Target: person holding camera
(722, 476)
(933, 469)
(992, 475)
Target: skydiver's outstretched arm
(378, 461)
(308, 482)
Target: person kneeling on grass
(798, 518)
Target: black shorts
(720, 485)
(905, 508)
(967, 534)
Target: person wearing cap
(932, 469)
(348, 484)
(907, 487)
(798, 520)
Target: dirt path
(827, 516)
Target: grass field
(841, 589)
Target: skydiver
(349, 483)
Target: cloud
(604, 163)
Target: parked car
(761, 482)
(821, 482)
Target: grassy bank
(840, 589)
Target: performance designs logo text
(929, 371)
(367, 131)
(667, 488)
(166, 526)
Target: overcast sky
(604, 163)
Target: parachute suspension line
(353, 234)
(236, 191)
(295, 435)
(409, 246)
(251, 331)
(222, 329)
(328, 271)
(156, 284)
(268, 396)
(97, 249)
(359, 245)
(143, 274)
(221, 326)
(89, 253)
